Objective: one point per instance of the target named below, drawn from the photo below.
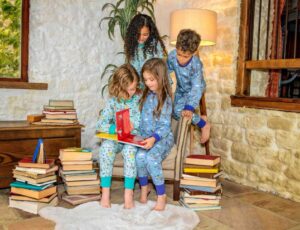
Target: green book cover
(19, 184)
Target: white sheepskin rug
(92, 216)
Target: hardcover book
(27, 163)
(31, 206)
(34, 194)
(75, 154)
(200, 170)
(202, 188)
(197, 159)
(61, 103)
(198, 207)
(123, 131)
(80, 199)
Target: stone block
(259, 138)
(262, 176)
(216, 131)
(233, 133)
(234, 168)
(254, 121)
(288, 140)
(243, 153)
(293, 173)
(222, 144)
(226, 103)
(285, 156)
(280, 123)
(216, 117)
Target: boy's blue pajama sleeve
(198, 86)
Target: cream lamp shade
(203, 21)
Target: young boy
(190, 82)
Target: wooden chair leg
(191, 139)
(176, 190)
(203, 112)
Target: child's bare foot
(128, 199)
(105, 198)
(144, 194)
(205, 131)
(160, 203)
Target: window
(269, 55)
(14, 45)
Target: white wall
(69, 52)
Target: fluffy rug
(92, 216)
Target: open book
(123, 131)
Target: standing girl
(124, 94)
(155, 126)
(142, 42)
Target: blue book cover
(19, 184)
(202, 188)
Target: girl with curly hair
(142, 42)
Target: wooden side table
(18, 139)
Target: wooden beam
(282, 104)
(274, 64)
(23, 85)
(25, 40)
(243, 79)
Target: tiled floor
(242, 208)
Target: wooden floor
(242, 208)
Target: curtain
(276, 49)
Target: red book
(207, 160)
(124, 128)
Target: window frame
(244, 65)
(23, 81)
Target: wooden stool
(202, 112)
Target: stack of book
(59, 112)
(201, 187)
(78, 175)
(35, 185)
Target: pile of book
(35, 185)
(200, 183)
(80, 179)
(59, 112)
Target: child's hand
(187, 113)
(148, 143)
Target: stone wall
(259, 148)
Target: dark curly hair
(188, 40)
(133, 33)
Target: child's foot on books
(105, 198)
(160, 203)
(144, 194)
(128, 199)
(205, 131)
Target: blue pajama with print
(190, 86)
(149, 162)
(109, 148)
(139, 59)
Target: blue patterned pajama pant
(107, 154)
(149, 162)
(179, 103)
